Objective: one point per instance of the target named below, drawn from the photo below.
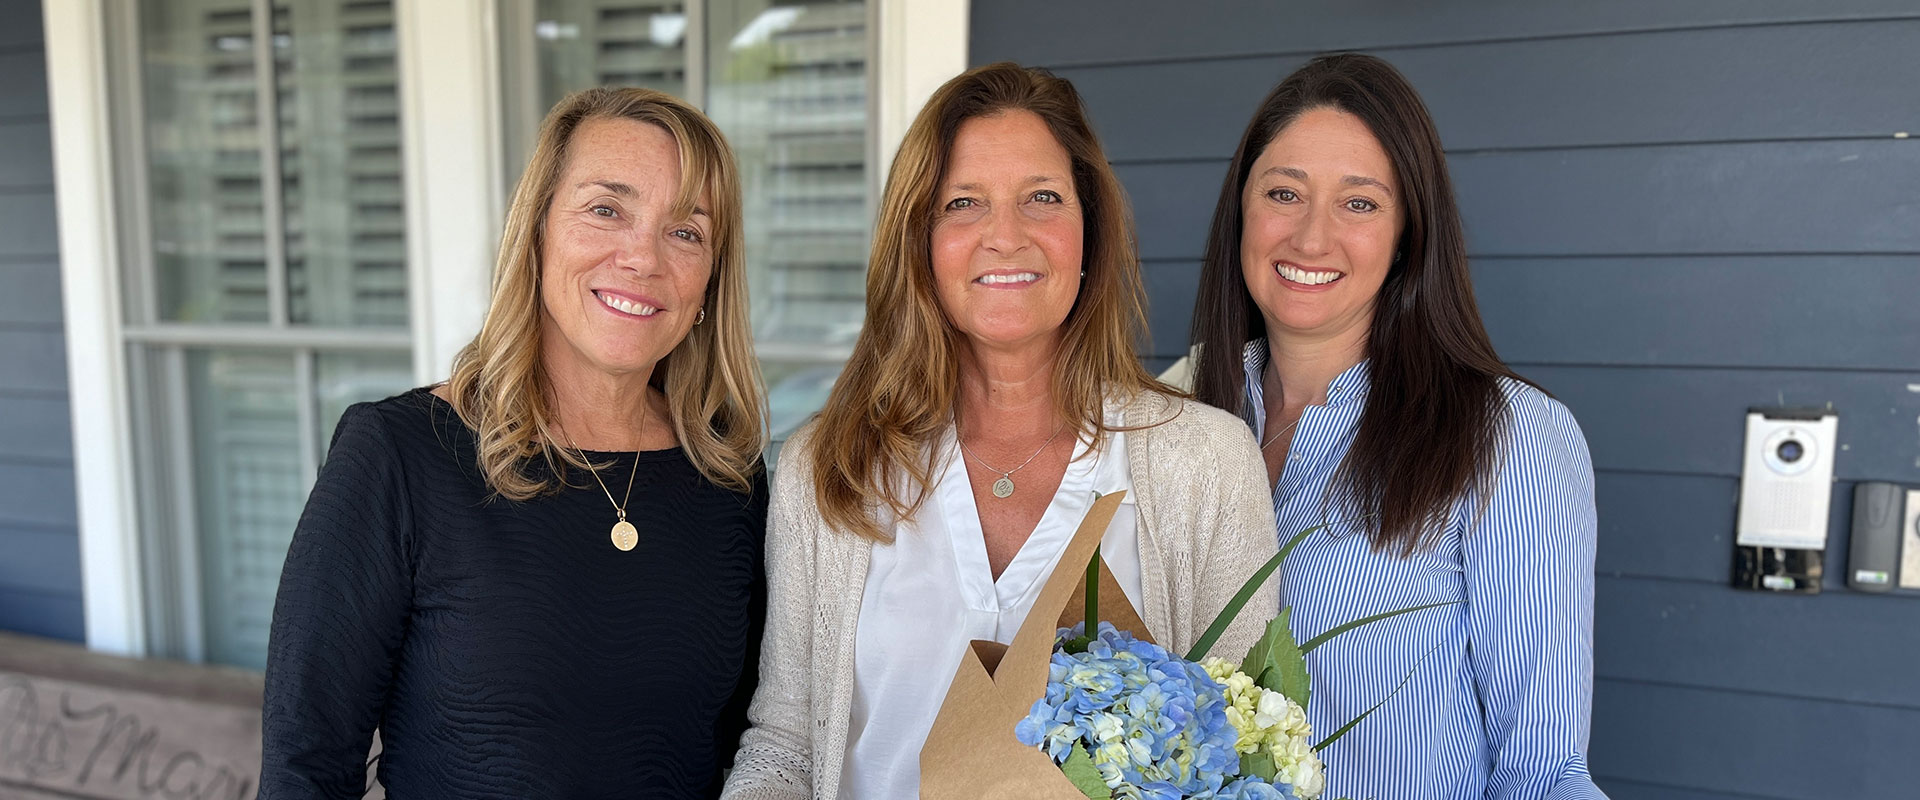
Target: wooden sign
(76, 724)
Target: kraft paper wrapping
(971, 754)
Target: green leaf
(1343, 628)
(1239, 601)
(1276, 663)
(1260, 764)
(1383, 701)
(1085, 776)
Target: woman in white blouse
(993, 391)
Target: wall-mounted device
(1884, 552)
(1786, 488)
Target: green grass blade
(1376, 706)
(1093, 592)
(1339, 629)
(1240, 599)
(1297, 539)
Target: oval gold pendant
(1003, 487)
(624, 535)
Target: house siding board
(39, 543)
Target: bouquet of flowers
(1124, 717)
(1119, 716)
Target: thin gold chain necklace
(624, 535)
(1003, 488)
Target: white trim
(450, 124)
(90, 290)
(923, 43)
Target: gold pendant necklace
(624, 535)
(1003, 488)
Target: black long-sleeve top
(508, 649)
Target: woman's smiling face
(622, 277)
(1321, 215)
(1007, 232)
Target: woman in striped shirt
(1336, 315)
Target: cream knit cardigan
(1205, 521)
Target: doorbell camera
(1786, 488)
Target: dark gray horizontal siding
(1692, 421)
(27, 225)
(35, 428)
(1705, 635)
(1641, 790)
(23, 82)
(1677, 527)
(41, 559)
(39, 543)
(1748, 744)
(24, 26)
(1675, 312)
(36, 360)
(1676, 211)
(1659, 311)
(55, 615)
(1750, 197)
(31, 494)
(29, 283)
(1596, 91)
(1132, 31)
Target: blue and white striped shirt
(1501, 687)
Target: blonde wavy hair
(711, 379)
(897, 393)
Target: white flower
(1308, 777)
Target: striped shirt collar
(1349, 386)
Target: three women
(451, 582)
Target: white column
(90, 290)
(450, 121)
(923, 43)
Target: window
(266, 286)
(789, 85)
(256, 254)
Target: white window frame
(449, 68)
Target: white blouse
(932, 591)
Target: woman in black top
(543, 578)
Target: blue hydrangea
(1155, 724)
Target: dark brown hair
(898, 390)
(1430, 431)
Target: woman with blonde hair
(993, 391)
(480, 572)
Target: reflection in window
(277, 249)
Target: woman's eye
(1284, 195)
(960, 203)
(690, 235)
(1047, 196)
(1361, 204)
(604, 211)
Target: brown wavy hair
(1429, 434)
(872, 442)
(711, 379)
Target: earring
(1083, 273)
(702, 318)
